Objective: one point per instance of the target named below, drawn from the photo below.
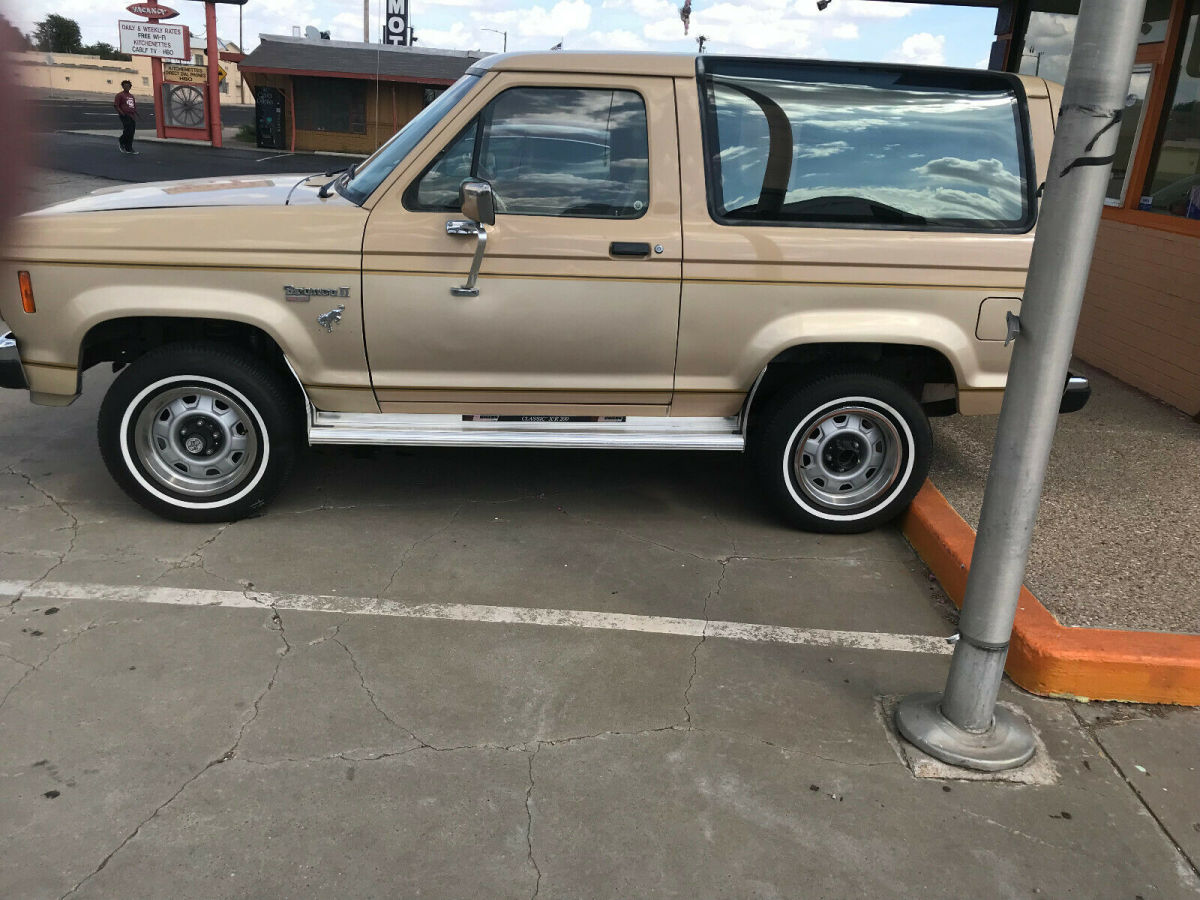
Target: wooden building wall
(389, 105)
(1141, 314)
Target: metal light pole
(366, 21)
(241, 50)
(963, 726)
(498, 31)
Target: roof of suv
(677, 65)
(669, 64)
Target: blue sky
(870, 30)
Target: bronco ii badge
(294, 294)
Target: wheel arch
(911, 365)
(123, 339)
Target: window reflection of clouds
(1053, 36)
(936, 153)
(551, 152)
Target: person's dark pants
(128, 124)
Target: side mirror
(477, 204)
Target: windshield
(380, 164)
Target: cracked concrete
(217, 752)
(537, 885)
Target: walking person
(127, 109)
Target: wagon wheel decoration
(185, 106)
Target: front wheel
(844, 454)
(199, 433)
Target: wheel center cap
(201, 436)
(842, 454)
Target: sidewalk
(228, 137)
(1117, 543)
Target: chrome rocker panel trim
(638, 433)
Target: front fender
(72, 300)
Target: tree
(58, 34)
(104, 51)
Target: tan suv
(800, 259)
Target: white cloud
(987, 173)
(848, 28)
(461, 37)
(821, 151)
(873, 9)
(735, 28)
(645, 9)
(922, 49)
(563, 18)
(612, 40)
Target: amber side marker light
(26, 292)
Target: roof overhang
(360, 76)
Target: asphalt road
(75, 115)
(97, 155)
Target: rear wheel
(844, 454)
(199, 433)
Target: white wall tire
(844, 454)
(199, 433)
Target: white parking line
(499, 615)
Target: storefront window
(1131, 128)
(1173, 184)
(1050, 35)
(331, 104)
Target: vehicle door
(578, 296)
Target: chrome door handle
(462, 226)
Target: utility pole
(366, 21)
(212, 50)
(241, 50)
(964, 726)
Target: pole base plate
(1007, 744)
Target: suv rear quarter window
(865, 146)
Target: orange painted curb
(1049, 658)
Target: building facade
(345, 97)
(71, 74)
(1141, 314)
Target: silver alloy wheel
(196, 440)
(848, 457)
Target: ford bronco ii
(802, 260)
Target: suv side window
(867, 146)
(548, 152)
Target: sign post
(213, 51)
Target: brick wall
(1141, 314)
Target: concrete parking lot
(458, 673)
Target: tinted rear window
(872, 146)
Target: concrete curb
(1049, 658)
